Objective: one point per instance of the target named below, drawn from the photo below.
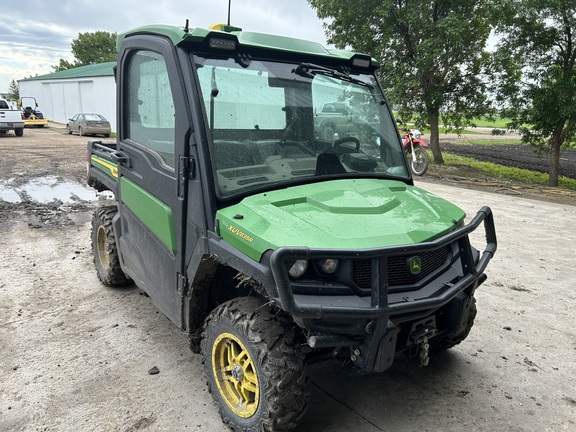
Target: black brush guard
(380, 305)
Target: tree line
(436, 65)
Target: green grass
(497, 123)
(490, 141)
(483, 122)
(443, 130)
(503, 172)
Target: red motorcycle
(415, 149)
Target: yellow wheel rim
(235, 375)
(101, 240)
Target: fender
(419, 142)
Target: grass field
(497, 123)
(518, 175)
(482, 122)
(490, 141)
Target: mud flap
(386, 349)
(457, 313)
(378, 351)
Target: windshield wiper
(308, 70)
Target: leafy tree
(536, 60)
(13, 92)
(63, 65)
(432, 53)
(90, 48)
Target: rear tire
(420, 161)
(104, 248)
(254, 367)
(19, 132)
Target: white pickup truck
(10, 119)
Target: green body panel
(107, 167)
(153, 213)
(338, 214)
(249, 39)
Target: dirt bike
(416, 153)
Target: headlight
(329, 265)
(298, 269)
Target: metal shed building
(62, 94)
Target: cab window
(150, 105)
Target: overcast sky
(35, 34)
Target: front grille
(398, 272)
(363, 273)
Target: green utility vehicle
(272, 244)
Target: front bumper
(380, 303)
(339, 320)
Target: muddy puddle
(46, 190)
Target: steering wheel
(337, 143)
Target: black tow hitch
(419, 335)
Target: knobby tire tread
(279, 360)
(113, 276)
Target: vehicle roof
(180, 35)
(88, 113)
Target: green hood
(339, 214)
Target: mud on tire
(254, 367)
(104, 248)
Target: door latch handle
(120, 158)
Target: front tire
(104, 248)
(254, 367)
(445, 342)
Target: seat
(329, 164)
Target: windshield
(276, 123)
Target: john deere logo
(415, 265)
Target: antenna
(229, 4)
(186, 26)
